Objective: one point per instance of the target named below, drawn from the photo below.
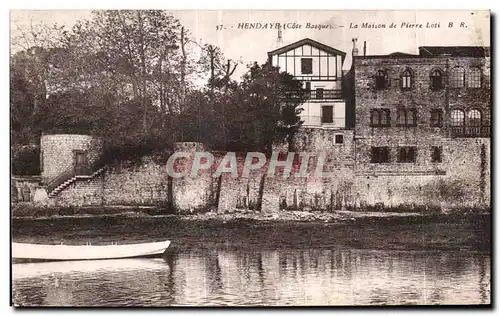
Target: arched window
(380, 117)
(375, 118)
(474, 78)
(437, 79)
(385, 117)
(411, 117)
(406, 79)
(457, 77)
(457, 118)
(401, 117)
(381, 80)
(407, 117)
(474, 118)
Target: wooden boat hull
(86, 252)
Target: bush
(26, 161)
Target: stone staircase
(67, 178)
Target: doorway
(80, 162)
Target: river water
(281, 277)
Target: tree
(127, 77)
(219, 68)
(141, 58)
(260, 111)
(76, 112)
(31, 49)
(269, 107)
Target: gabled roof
(307, 41)
(453, 51)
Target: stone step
(66, 183)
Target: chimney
(354, 48)
(279, 39)
(364, 48)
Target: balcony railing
(470, 131)
(319, 94)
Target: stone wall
(191, 193)
(23, 188)
(313, 192)
(81, 193)
(144, 184)
(121, 184)
(462, 179)
(240, 192)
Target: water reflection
(280, 277)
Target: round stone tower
(60, 153)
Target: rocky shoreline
(456, 231)
(29, 211)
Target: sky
(248, 45)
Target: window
(457, 77)
(411, 117)
(385, 118)
(375, 118)
(436, 154)
(457, 118)
(339, 139)
(380, 154)
(406, 154)
(406, 80)
(407, 117)
(327, 114)
(401, 117)
(306, 66)
(319, 93)
(437, 80)
(436, 118)
(381, 80)
(474, 118)
(380, 117)
(308, 86)
(474, 78)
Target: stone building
(423, 124)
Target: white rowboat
(86, 252)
